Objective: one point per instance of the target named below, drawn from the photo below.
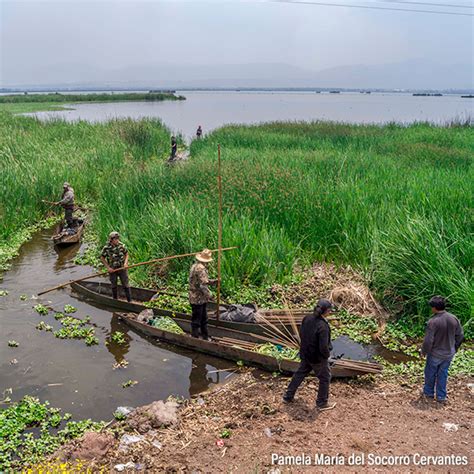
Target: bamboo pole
(219, 232)
(163, 259)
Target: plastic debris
(125, 411)
(450, 427)
(13, 362)
(268, 432)
(220, 443)
(126, 440)
(157, 444)
(200, 401)
(129, 465)
(470, 386)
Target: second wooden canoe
(339, 367)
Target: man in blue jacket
(443, 337)
(315, 335)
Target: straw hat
(114, 235)
(66, 184)
(205, 256)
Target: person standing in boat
(199, 132)
(67, 202)
(174, 147)
(115, 255)
(315, 335)
(199, 294)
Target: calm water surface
(214, 109)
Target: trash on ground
(450, 427)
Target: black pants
(199, 320)
(123, 275)
(322, 372)
(68, 216)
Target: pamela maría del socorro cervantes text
(367, 459)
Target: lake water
(214, 109)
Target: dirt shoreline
(378, 418)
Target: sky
(72, 41)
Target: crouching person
(315, 335)
(115, 255)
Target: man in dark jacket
(315, 349)
(443, 337)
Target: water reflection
(199, 380)
(118, 350)
(65, 256)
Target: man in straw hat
(67, 202)
(315, 349)
(199, 294)
(115, 255)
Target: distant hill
(414, 74)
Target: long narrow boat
(230, 344)
(61, 236)
(101, 292)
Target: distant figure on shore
(67, 202)
(199, 294)
(443, 337)
(199, 132)
(315, 350)
(174, 147)
(115, 255)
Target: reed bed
(92, 97)
(394, 202)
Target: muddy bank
(237, 428)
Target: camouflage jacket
(67, 199)
(198, 284)
(115, 254)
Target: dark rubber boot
(114, 293)
(128, 294)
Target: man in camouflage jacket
(115, 255)
(199, 294)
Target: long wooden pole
(126, 268)
(219, 232)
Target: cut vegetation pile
(393, 202)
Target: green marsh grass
(93, 97)
(396, 202)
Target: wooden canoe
(101, 292)
(60, 238)
(219, 348)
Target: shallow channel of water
(72, 376)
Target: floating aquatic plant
(41, 309)
(118, 337)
